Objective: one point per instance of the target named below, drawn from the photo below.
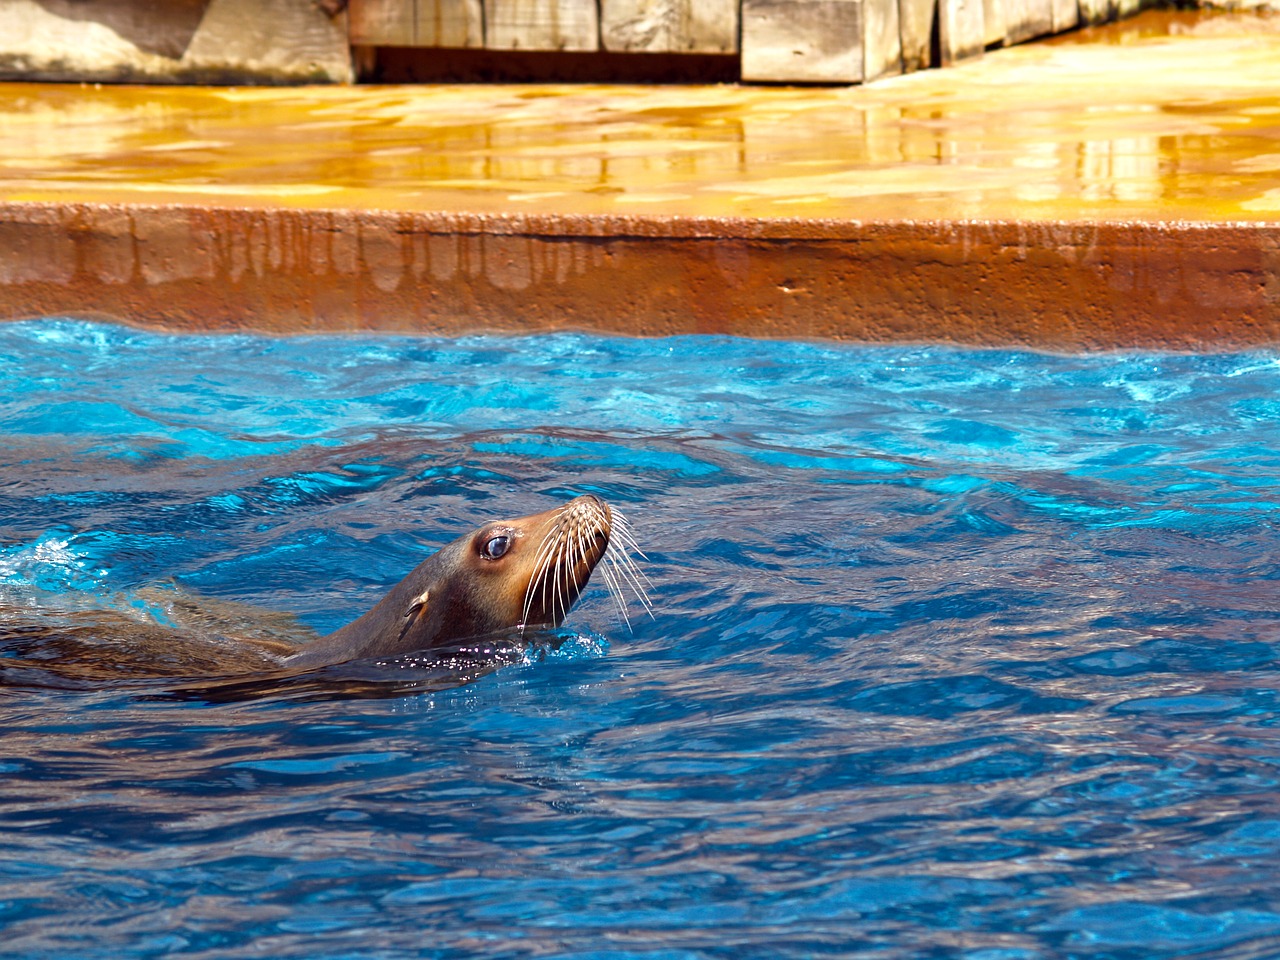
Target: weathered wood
(416, 23)
(1093, 12)
(915, 24)
(450, 23)
(1065, 15)
(1025, 19)
(669, 26)
(183, 41)
(993, 25)
(541, 25)
(382, 23)
(814, 41)
(266, 38)
(960, 30)
(881, 39)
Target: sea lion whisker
(615, 592)
(629, 575)
(584, 548)
(622, 526)
(626, 540)
(583, 544)
(622, 531)
(620, 519)
(612, 588)
(555, 572)
(573, 552)
(541, 564)
(546, 550)
(557, 592)
(624, 559)
(638, 579)
(623, 566)
(551, 541)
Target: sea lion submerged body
(508, 574)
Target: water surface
(954, 654)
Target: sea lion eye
(496, 547)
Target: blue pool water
(954, 654)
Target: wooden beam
(450, 23)
(541, 25)
(381, 23)
(182, 41)
(813, 41)
(669, 26)
(961, 34)
(915, 23)
(1025, 19)
(993, 26)
(881, 39)
(1094, 12)
(415, 23)
(1065, 15)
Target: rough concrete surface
(1050, 285)
(1090, 192)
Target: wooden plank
(541, 25)
(881, 39)
(961, 34)
(381, 23)
(993, 24)
(669, 26)
(915, 24)
(450, 23)
(1025, 19)
(185, 41)
(1065, 14)
(1093, 12)
(415, 23)
(808, 41)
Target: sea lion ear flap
(416, 611)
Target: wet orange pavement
(1114, 187)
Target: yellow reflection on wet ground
(1168, 116)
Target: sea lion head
(512, 573)
(508, 574)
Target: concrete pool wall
(1088, 192)
(1049, 285)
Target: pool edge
(1063, 285)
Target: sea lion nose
(590, 505)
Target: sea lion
(508, 575)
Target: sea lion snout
(568, 542)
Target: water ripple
(955, 653)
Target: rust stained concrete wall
(1058, 286)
